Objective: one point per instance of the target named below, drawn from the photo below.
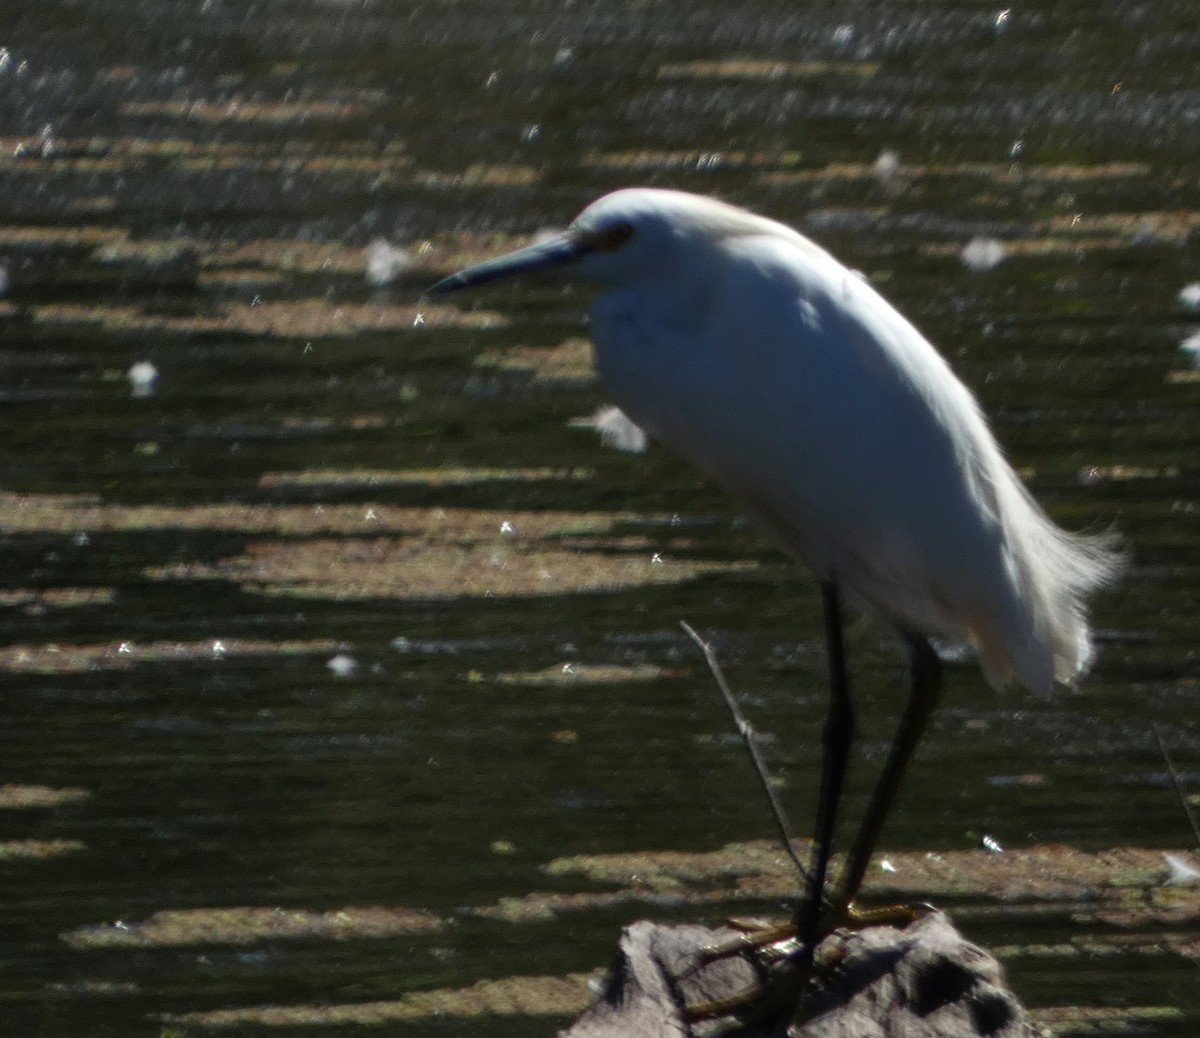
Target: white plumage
(844, 434)
(837, 426)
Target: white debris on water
(1191, 346)
(342, 665)
(1180, 872)
(887, 165)
(1189, 295)
(616, 429)
(983, 254)
(142, 378)
(385, 262)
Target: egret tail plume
(1056, 571)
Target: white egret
(845, 436)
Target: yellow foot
(779, 940)
(856, 918)
(755, 935)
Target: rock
(925, 981)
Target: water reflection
(325, 465)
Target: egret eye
(609, 239)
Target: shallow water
(327, 465)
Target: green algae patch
(254, 925)
(511, 996)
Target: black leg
(838, 735)
(922, 699)
(817, 911)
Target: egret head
(632, 236)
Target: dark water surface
(330, 469)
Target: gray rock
(925, 981)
